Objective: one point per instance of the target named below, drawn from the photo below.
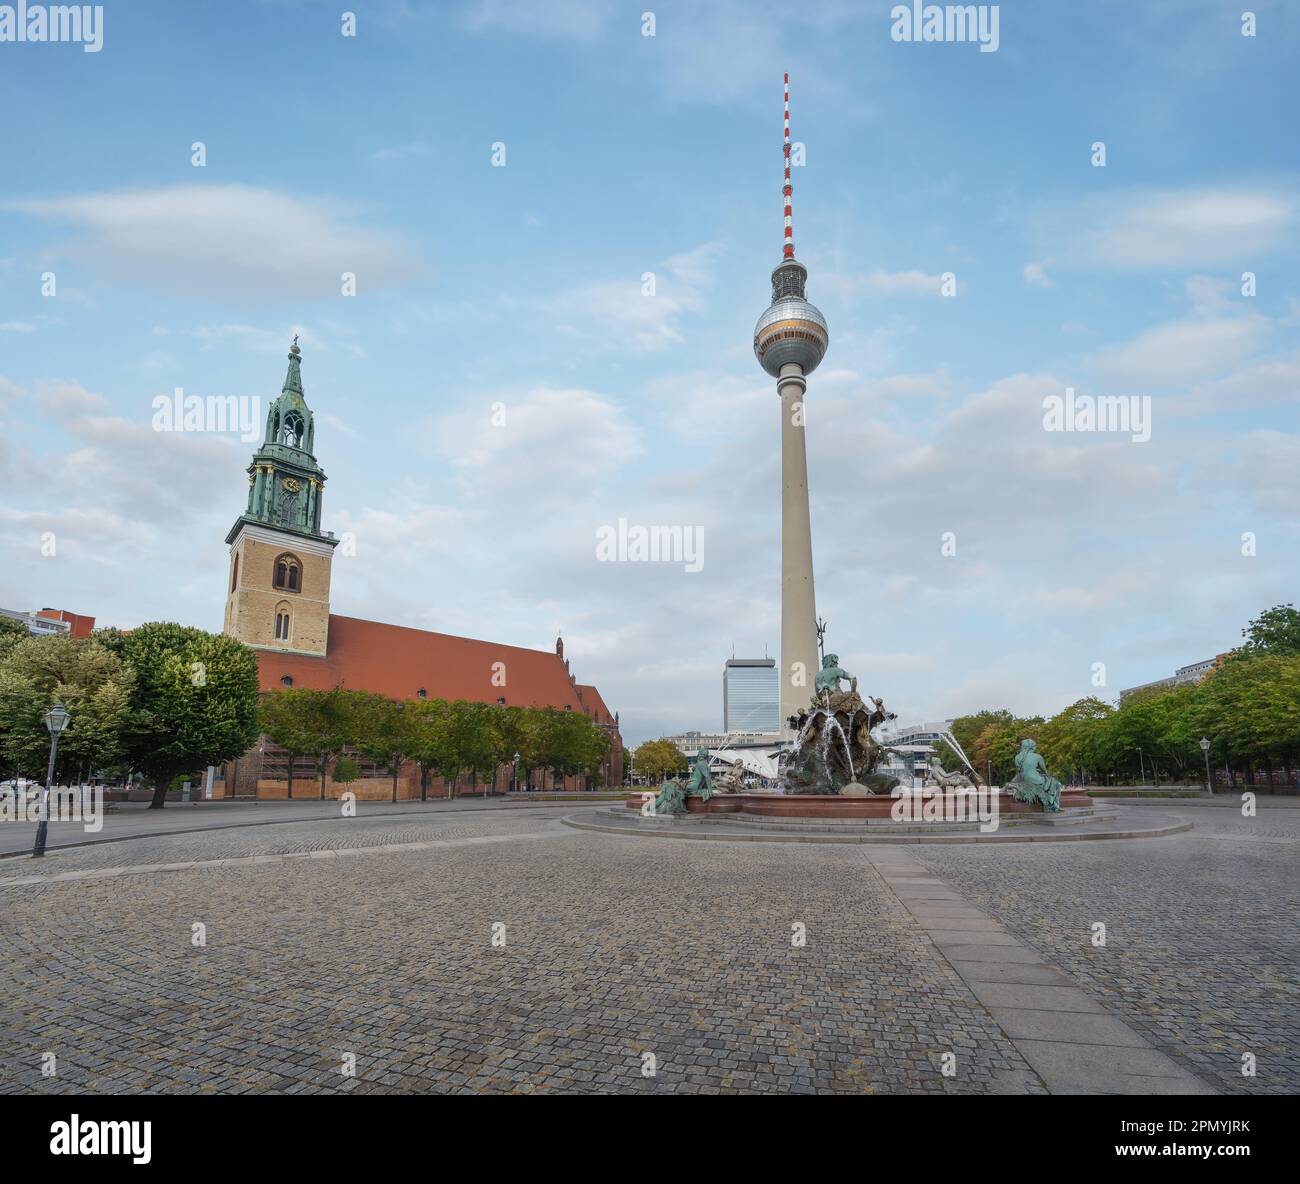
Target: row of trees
(164, 700)
(1248, 707)
(441, 738)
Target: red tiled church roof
(593, 704)
(396, 661)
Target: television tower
(790, 340)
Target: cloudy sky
(501, 386)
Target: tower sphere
(791, 329)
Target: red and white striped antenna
(788, 191)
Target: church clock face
(291, 485)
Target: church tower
(279, 580)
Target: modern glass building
(750, 696)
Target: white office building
(751, 696)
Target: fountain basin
(830, 805)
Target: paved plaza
(493, 948)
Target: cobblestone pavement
(282, 838)
(615, 950)
(1202, 951)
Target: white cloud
(236, 242)
(622, 314)
(402, 151)
(560, 20)
(499, 439)
(884, 283)
(1036, 275)
(1195, 348)
(255, 338)
(1272, 381)
(1172, 228)
(65, 399)
(1272, 474)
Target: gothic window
(286, 681)
(292, 432)
(282, 622)
(288, 574)
(288, 512)
(234, 573)
(421, 694)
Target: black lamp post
(514, 776)
(1205, 748)
(56, 720)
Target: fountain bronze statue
(1032, 782)
(672, 795)
(834, 751)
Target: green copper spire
(285, 483)
(293, 380)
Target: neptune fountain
(834, 750)
(836, 755)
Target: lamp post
(1205, 749)
(56, 720)
(1141, 768)
(514, 775)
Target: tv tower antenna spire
(788, 192)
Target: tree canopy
(89, 679)
(193, 702)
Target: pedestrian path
(1069, 1039)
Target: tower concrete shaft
(790, 341)
(798, 601)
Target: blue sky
(520, 288)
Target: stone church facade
(278, 602)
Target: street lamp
(56, 720)
(1141, 769)
(514, 776)
(1205, 748)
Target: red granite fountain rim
(834, 806)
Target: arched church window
(234, 573)
(291, 433)
(421, 694)
(288, 574)
(286, 681)
(282, 624)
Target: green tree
(285, 717)
(1070, 740)
(336, 718)
(11, 633)
(84, 675)
(998, 742)
(318, 724)
(1249, 708)
(194, 701)
(516, 729)
(429, 740)
(381, 734)
(1275, 630)
(569, 742)
(476, 738)
(658, 759)
(346, 770)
